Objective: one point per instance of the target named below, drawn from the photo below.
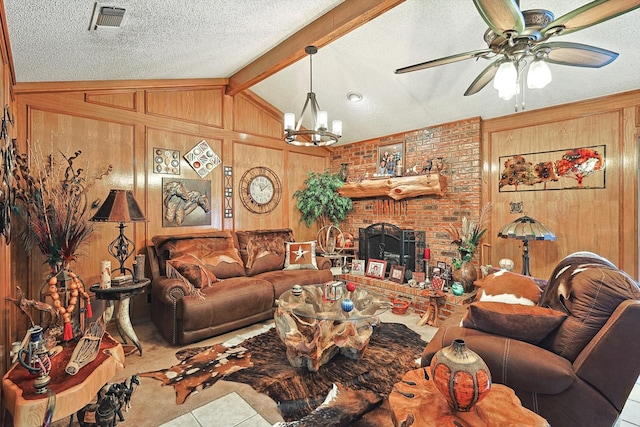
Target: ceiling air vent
(107, 17)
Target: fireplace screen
(392, 244)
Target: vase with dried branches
(51, 200)
(467, 238)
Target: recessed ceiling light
(354, 97)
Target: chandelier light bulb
(289, 121)
(322, 120)
(539, 75)
(336, 127)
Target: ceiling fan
(520, 38)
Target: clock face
(260, 190)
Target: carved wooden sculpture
(415, 401)
(314, 330)
(396, 188)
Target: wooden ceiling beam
(342, 19)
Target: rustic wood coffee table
(416, 397)
(314, 328)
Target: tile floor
(630, 415)
(228, 411)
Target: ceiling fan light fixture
(506, 76)
(508, 92)
(318, 133)
(539, 75)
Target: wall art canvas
(202, 158)
(185, 202)
(166, 161)
(554, 170)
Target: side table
(416, 397)
(72, 392)
(122, 294)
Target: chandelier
(319, 134)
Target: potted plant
(320, 202)
(467, 239)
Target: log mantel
(397, 188)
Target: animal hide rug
(200, 368)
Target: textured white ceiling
(203, 39)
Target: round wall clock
(260, 189)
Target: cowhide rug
(392, 351)
(200, 368)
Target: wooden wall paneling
(228, 161)
(582, 219)
(201, 106)
(102, 143)
(183, 142)
(247, 156)
(298, 167)
(117, 99)
(251, 115)
(629, 191)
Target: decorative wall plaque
(202, 159)
(166, 161)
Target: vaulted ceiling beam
(345, 17)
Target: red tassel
(68, 332)
(89, 311)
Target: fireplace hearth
(390, 243)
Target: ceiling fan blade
(484, 78)
(501, 15)
(590, 14)
(446, 60)
(577, 55)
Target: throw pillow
(508, 287)
(217, 249)
(522, 322)
(192, 269)
(263, 250)
(301, 256)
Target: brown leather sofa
(582, 372)
(221, 281)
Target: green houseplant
(320, 201)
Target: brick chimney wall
(458, 143)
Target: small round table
(123, 294)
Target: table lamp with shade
(526, 228)
(120, 206)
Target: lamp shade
(526, 228)
(120, 206)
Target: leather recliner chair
(582, 373)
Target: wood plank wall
(604, 221)
(121, 124)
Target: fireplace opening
(390, 243)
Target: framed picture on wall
(396, 274)
(376, 268)
(388, 157)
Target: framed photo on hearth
(396, 273)
(376, 268)
(357, 267)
